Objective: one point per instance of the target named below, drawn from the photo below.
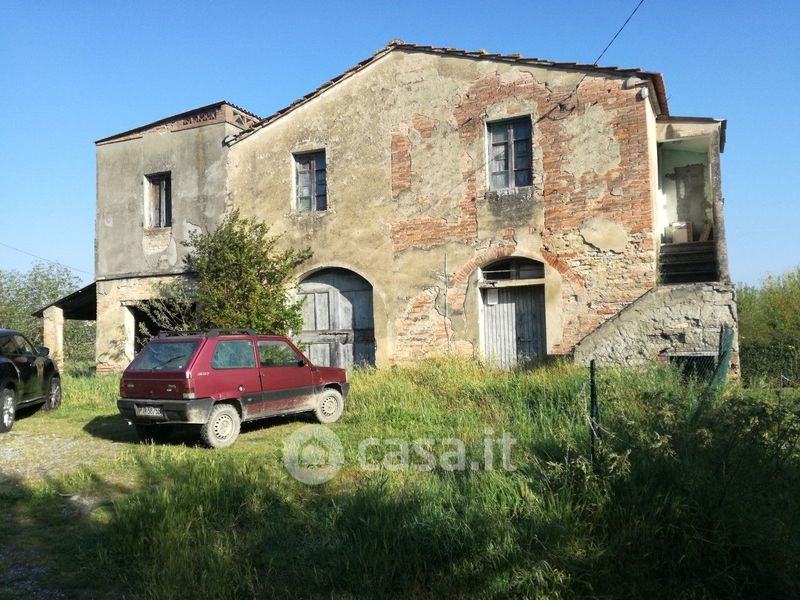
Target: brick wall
(574, 181)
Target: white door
(513, 324)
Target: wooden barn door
(513, 324)
(338, 326)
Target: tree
(22, 294)
(770, 313)
(769, 328)
(243, 279)
(172, 309)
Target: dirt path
(42, 456)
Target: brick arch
(575, 280)
(457, 292)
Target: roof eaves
(304, 99)
(723, 125)
(656, 78)
(174, 117)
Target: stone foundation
(667, 320)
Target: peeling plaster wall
(196, 159)
(673, 319)
(405, 143)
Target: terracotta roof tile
(655, 78)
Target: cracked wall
(128, 254)
(674, 319)
(405, 143)
(195, 158)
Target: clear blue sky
(73, 73)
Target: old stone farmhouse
(466, 202)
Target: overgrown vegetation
(23, 293)
(240, 279)
(680, 504)
(243, 277)
(769, 329)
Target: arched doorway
(338, 325)
(513, 310)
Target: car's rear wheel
(222, 427)
(330, 406)
(150, 434)
(8, 409)
(53, 401)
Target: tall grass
(680, 504)
(96, 393)
(689, 496)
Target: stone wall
(667, 320)
(405, 143)
(114, 344)
(188, 147)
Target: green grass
(689, 498)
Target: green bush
(769, 330)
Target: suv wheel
(222, 427)
(330, 406)
(150, 434)
(8, 409)
(53, 395)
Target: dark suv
(27, 377)
(220, 378)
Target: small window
(277, 354)
(234, 354)
(312, 188)
(158, 200)
(510, 154)
(514, 268)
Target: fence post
(721, 372)
(594, 411)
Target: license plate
(149, 411)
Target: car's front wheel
(53, 401)
(8, 409)
(330, 406)
(222, 427)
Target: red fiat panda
(220, 378)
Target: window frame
(314, 159)
(160, 216)
(513, 165)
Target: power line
(630, 16)
(599, 56)
(53, 262)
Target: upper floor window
(312, 188)
(510, 154)
(158, 200)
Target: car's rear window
(164, 356)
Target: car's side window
(274, 353)
(233, 354)
(23, 345)
(7, 346)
